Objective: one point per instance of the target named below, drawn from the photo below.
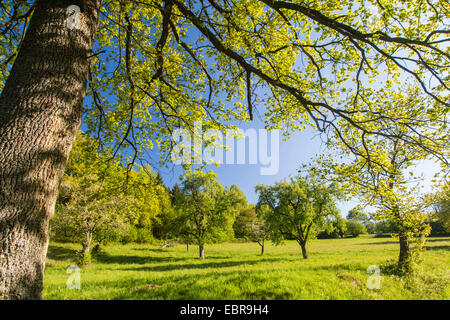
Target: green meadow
(336, 269)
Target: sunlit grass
(336, 269)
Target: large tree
(382, 172)
(40, 114)
(157, 65)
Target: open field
(336, 269)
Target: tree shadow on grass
(377, 243)
(104, 257)
(206, 264)
(394, 241)
(212, 281)
(158, 250)
(439, 239)
(60, 253)
(148, 249)
(194, 286)
(199, 287)
(438, 248)
(191, 254)
(121, 259)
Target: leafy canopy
(295, 209)
(165, 64)
(207, 210)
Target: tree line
(101, 201)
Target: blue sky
(299, 149)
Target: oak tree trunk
(201, 250)
(40, 114)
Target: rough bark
(404, 258)
(40, 114)
(304, 252)
(187, 247)
(201, 251)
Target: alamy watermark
(74, 19)
(252, 146)
(374, 281)
(74, 280)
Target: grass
(336, 269)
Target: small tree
(251, 226)
(91, 205)
(90, 213)
(335, 227)
(260, 230)
(206, 211)
(243, 222)
(339, 225)
(166, 224)
(151, 201)
(296, 208)
(355, 228)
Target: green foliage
(151, 196)
(437, 228)
(336, 227)
(138, 235)
(340, 226)
(189, 63)
(357, 214)
(443, 207)
(163, 65)
(206, 211)
(297, 208)
(386, 227)
(379, 170)
(244, 221)
(355, 228)
(83, 258)
(336, 66)
(238, 197)
(101, 201)
(250, 225)
(90, 205)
